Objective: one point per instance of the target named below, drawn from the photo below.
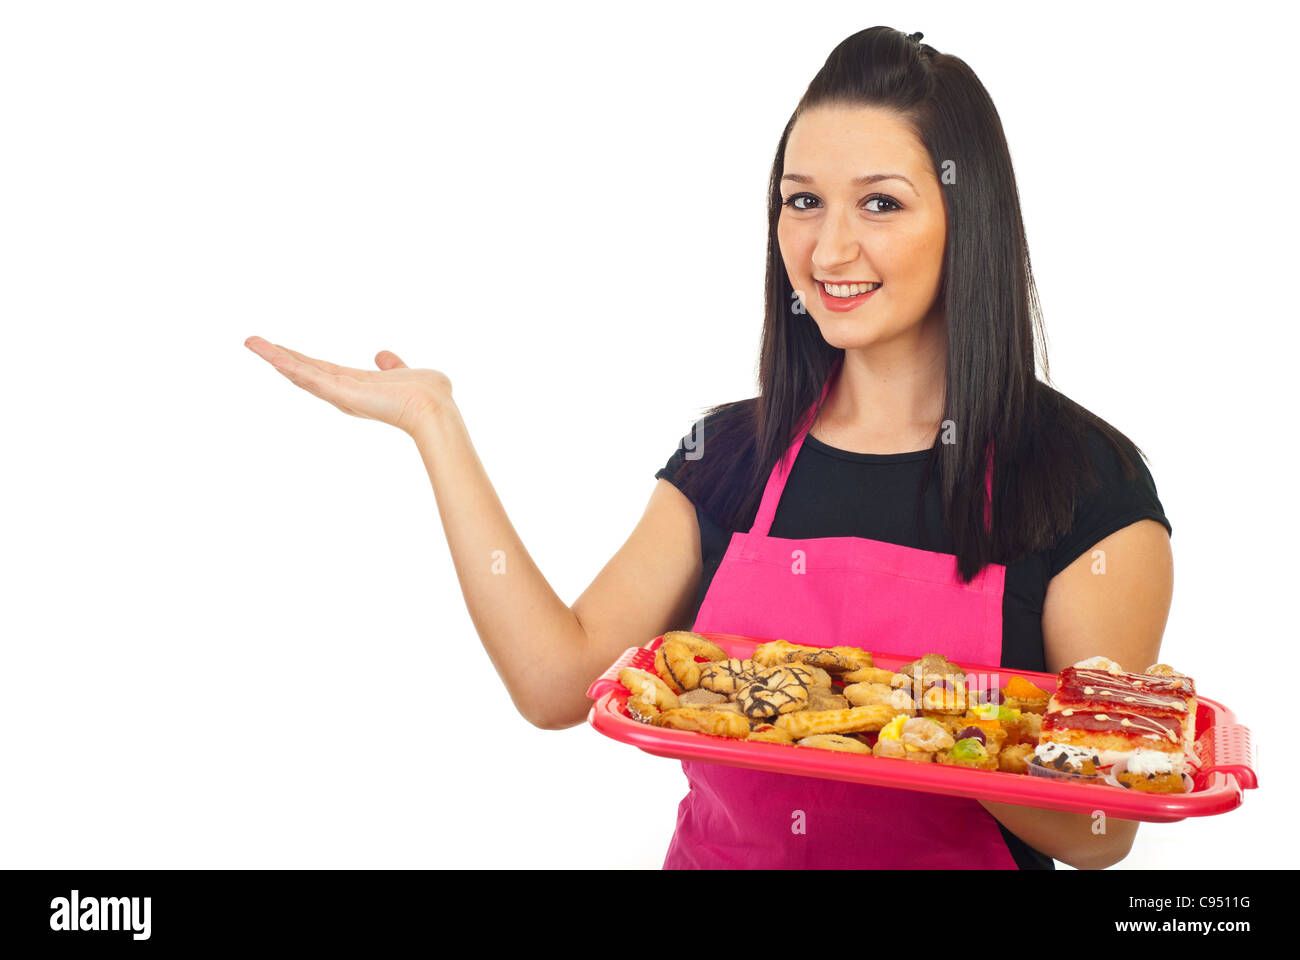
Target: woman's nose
(837, 244)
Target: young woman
(940, 497)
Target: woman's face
(862, 204)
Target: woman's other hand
(393, 394)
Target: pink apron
(851, 591)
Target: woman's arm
(545, 652)
(1115, 605)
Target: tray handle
(631, 657)
(1233, 753)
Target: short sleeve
(670, 470)
(1118, 500)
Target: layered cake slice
(1100, 707)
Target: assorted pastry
(1100, 725)
(1137, 729)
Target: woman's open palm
(394, 393)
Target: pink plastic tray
(1227, 760)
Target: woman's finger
(331, 387)
(387, 360)
(326, 366)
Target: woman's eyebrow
(862, 181)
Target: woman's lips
(843, 303)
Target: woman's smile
(846, 296)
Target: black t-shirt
(836, 493)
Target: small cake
(988, 732)
(889, 742)
(1152, 771)
(1060, 760)
(1023, 695)
(1115, 713)
(968, 752)
(1015, 758)
(1009, 719)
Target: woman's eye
(890, 202)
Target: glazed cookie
(776, 691)
(727, 676)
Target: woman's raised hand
(394, 393)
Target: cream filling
(1149, 762)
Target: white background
(232, 632)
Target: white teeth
(848, 289)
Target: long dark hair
(994, 323)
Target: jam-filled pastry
(716, 723)
(832, 659)
(838, 659)
(776, 652)
(649, 695)
(834, 741)
(1116, 713)
(775, 691)
(769, 733)
(807, 723)
(675, 659)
